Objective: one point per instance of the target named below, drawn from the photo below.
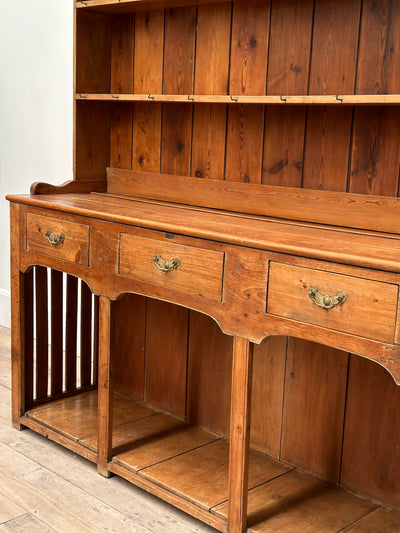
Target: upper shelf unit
(254, 51)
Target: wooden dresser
(210, 308)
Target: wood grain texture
(296, 501)
(149, 39)
(179, 44)
(92, 140)
(211, 77)
(93, 53)
(379, 520)
(212, 49)
(129, 346)
(122, 48)
(283, 155)
(289, 47)
(314, 440)
(201, 475)
(378, 63)
(371, 447)
(249, 48)
(74, 417)
(208, 141)
(176, 139)
(149, 43)
(153, 439)
(121, 135)
(375, 156)
(209, 375)
(165, 377)
(326, 156)
(146, 137)
(326, 207)
(334, 47)
(244, 144)
(267, 395)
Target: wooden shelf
(347, 99)
(73, 420)
(188, 467)
(128, 6)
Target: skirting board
(5, 311)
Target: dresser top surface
(370, 249)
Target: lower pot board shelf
(188, 467)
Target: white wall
(36, 96)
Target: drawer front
(368, 310)
(57, 238)
(199, 271)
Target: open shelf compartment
(170, 458)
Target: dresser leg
(239, 434)
(17, 324)
(105, 389)
(17, 349)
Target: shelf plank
(381, 519)
(130, 6)
(304, 501)
(325, 100)
(76, 416)
(191, 470)
(146, 442)
(201, 475)
(169, 497)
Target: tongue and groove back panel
(311, 406)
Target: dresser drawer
(353, 305)
(57, 238)
(185, 268)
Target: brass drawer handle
(166, 266)
(54, 239)
(326, 301)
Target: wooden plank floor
(45, 488)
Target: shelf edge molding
(330, 99)
(126, 6)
